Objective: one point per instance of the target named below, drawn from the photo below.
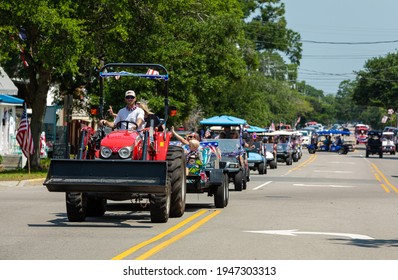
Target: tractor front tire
(160, 206)
(76, 206)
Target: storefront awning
(10, 100)
(6, 85)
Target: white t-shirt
(127, 114)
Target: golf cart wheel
(380, 155)
(367, 154)
(222, 195)
(262, 168)
(273, 164)
(226, 180)
(76, 206)
(295, 158)
(289, 161)
(176, 170)
(238, 181)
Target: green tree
(377, 84)
(57, 40)
(268, 28)
(46, 37)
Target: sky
(325, 65)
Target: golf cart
(256, 151)
(374, 144)
(331, 141)
(284, 147)
(361, 133)
(205, 174)
(388, 143)
(269, 145)
(233, 155)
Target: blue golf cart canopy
(223, 121)
(333, 132)
(256, 129)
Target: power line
(349, 43)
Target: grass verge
(23, 174)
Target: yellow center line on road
(189, 230)
(308, 161)
(384, 179)
(159, 236)
(385, 188)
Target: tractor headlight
(125, 152)
(106, 152)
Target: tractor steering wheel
(127, 125)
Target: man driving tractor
(131, 114)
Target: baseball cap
(130, 93)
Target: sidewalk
(22, 183)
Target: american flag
(24, 135)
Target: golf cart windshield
(229, 146)
(282, 147)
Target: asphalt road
(324, 207)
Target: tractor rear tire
(176, 170)
(96, 207)
(76, 206)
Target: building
(8, 106)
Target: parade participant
(131, 113)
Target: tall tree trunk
(38, 101)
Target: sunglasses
(130, 97)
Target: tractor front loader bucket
(74, 175)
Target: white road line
(336, 171)
(295, 232)
(342, 162)
(259, 187)
(329, 186)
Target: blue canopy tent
(223, 121)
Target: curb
(31, 182)
(21, 183)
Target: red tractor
(123, 164)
